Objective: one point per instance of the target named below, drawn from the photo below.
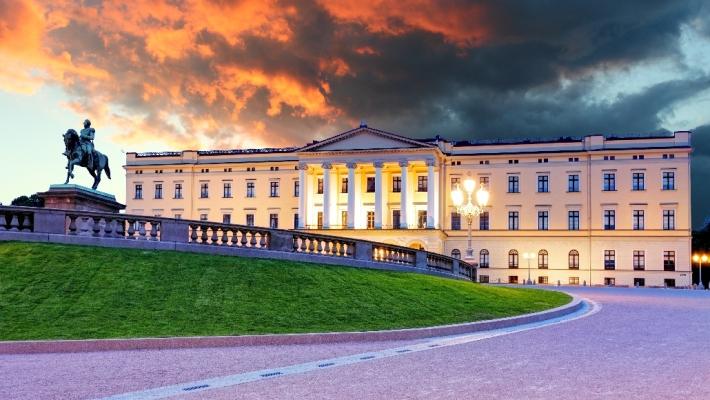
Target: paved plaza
(641, 344)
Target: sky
(158, 75)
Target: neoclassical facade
(599, 210)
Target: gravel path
(643, 344)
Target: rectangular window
(543, 218)
(138, 193)
(158, 190)
(638, 181)
(250, 219)
(204, 190)
(513, 220)
(573, 183)
(250, 189)
(455, 221)
(226, 218)
(543, 184)
(484, 259)
(455, 182)
(370, 220)
(203, 217)
(638, 220)
(422, 184)
(343, 219)
(574, 280)
(609, 220)
(573, 220)
(296, 189)
(273, 189)
(320, 186)
(668, 180)
(227, 190)
(668, 282)
(513, 279)
(370, 184)
(396, 219)
(421, 219)
(669, 260)
(344, 185)
(640, 282)
(639, 259)
(513, 184)
(178, 191)
(609, 281)
(319, 223)
(295, 221)
(396, 184)
(668, 220)
(484, 181)
(178, 216)
(610, 259)
(609, 182)
(273, 221)
(484, 221)
(483, 279)
(542, 280)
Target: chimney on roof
(363, 123)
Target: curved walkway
(643, 343)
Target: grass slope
(56, 291)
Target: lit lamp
(700, 259)
(463, 201)
(528, 256)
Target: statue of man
(86, 139)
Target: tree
(32, 201)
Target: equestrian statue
(80, 151)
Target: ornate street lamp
(700, 260)
(463, 201)
(528, 256)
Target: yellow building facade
(599, 210)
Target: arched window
(513, 259)
(456, 253)
(484, 259)
(542, 259)
(573, 259)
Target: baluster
(141, 230)
(320, 246)
(14, 223)
(301, 244)
(120, 228)
(203, 236)
(252, 239)
(225, 239)
(108, 227)
(154, 226)
(233, 239)
(336, 249)
(295, 244)
(131, 228)
(349, 250)
(311, 245)
(214, 235)
(3, 222)
(262, 241)
(96, 226)
(25, 225)
(193, 233)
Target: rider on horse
(86, 140)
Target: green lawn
(56, 291)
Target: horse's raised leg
(97, 179)
(70, 168)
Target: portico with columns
(367, 179)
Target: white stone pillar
(404, 199)
(302, 193)
(379, 194)
(431, 195)
(326, 194)
(351, 194)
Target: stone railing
(135, 231)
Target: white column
(379, 194)
(302, 193)
(326, 195)
(404, 199)
(351, 194)
(431, 195)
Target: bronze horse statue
(77, 156)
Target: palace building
(593, 210)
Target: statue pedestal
(79, 198)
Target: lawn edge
(94, 345)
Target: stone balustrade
(135, 231)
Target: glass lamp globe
(457, 197)
(468, 185)
(482, 197)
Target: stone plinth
(79, 198)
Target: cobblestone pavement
(643, 344)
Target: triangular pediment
(365, 138)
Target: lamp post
(528, 256)
(466, 208)
(700, 259)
